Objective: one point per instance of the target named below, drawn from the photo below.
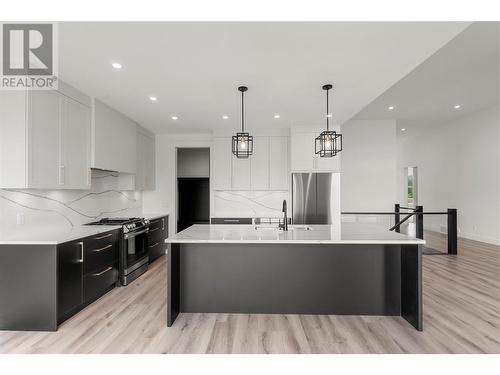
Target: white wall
(368, 180)
(458, 167)
(164, 198)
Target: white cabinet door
(150, 163)
(241, 172)
(140, 175)
(302, 153)
(75, 145)
(279, 175)
(44, 131)
(115, 140)
(259, 164)
(221, 163)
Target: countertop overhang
(348, 233)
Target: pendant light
(329, 142)
(242, 142)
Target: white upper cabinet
(221, 163)
(303, 157)
(114, 140)
(145, 176)
(266, 169)
(75, 151)
(45, 115)
(259, 164)
(45, 139)
(241, 172)
(279, 173)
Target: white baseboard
(469, 236)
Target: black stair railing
(419, 213)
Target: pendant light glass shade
(329, 142)
(242, 145)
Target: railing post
(452, 231)
(419, 223)
(396, 216)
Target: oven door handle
(133, 234)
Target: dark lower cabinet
(158, 232)
(87, 269)
(69, 278)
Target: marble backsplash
(249, 203)
(69, 207)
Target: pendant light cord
(327, 111)
(242, 113)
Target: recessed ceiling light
(277, 115)
(116, 65)
(390, 108)
(175, 118)
(225, 117)
(153, 98)
(457, 106)
(403, 129)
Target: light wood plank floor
(461, 315)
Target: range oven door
(135, 250)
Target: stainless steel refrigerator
(315, 198)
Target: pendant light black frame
(329, 142)
(242, 138)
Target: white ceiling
(466, 71)
(195, 68)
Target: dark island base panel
(28, 284)
(339, 279)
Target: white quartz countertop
(49, 235)
(53, 235)
(349, 233)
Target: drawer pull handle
(102, 248)
(102, 272)
(153, 245)
(153, 230)
(102, 237)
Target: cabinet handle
(102, 272)
(162, 224)
(106, 236)
(81, 252)
(61, 174)
(153, 230)
(102, 248)
(153, 245)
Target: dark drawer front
(231, 220)
(95, 283)
(155, 226)
(100, 251)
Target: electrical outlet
(20, 218)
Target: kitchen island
(358, 269)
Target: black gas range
(133, 259)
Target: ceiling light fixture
(277, 115)
(242, 145)
(116, 65)
(225, 117)
(153, 98)
(390, 108)
(175, 118)
(403, 129)
(329, 142)
(457, 106)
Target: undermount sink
(290, 227)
